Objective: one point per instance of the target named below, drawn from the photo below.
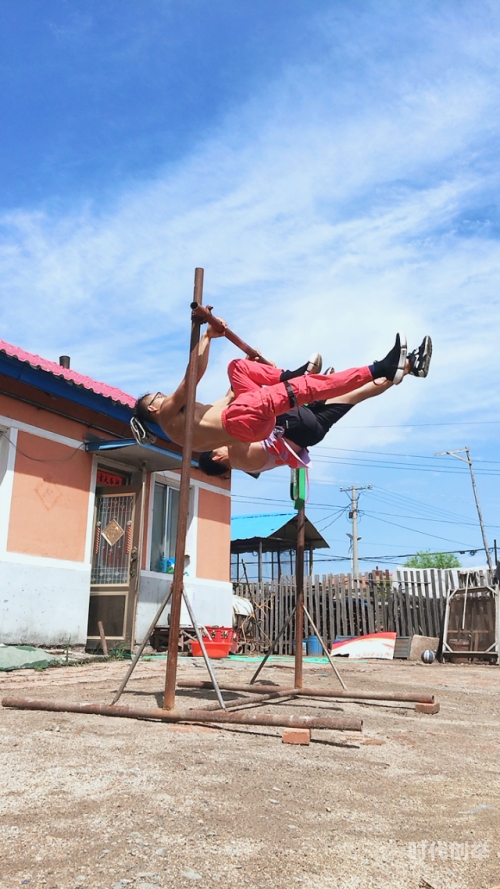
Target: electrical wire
(422, 425)
(337, 517)
(319, 448)
(396, 467)
(43, 459)
(416, 531)
(426, 507)
(428, 519)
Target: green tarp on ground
(19, 657)
(275, 658)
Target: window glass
(164, 532)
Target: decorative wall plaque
(112, 532)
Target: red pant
(252, 414)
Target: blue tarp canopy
(277, 531)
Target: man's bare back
(208, 429)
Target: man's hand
(212, 333)
(258, 357)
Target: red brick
(296, 736)
(428, 708)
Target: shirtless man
(259, 394)
(172, 406)
(301, 428)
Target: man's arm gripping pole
(203, 314)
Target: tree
(425, 559)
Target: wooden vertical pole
(180, 546)
(102, 634)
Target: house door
(114, 565)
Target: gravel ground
(101, 803)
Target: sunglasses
(158, 395)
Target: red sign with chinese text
(108, 478)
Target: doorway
(114, 571)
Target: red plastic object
(215, 650)
(218, 642)
(217, 634)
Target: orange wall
(49, 499)
(34, 416)
(214, 536)
(216, 481)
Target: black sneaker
(328, 371)
(314, 363)
(420, 358)
(392, 367)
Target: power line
(422, 425)
(337, 517)
(425, 519)
(416, 531)
(396, 558)
(319, 448)
(386, 497)
(407, 467)
(426, 507)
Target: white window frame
(169, 481)
(8, 443)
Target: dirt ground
(102, 803)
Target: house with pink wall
(88, 517)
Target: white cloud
(324, 213)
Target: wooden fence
(408, 602)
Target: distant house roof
(276, 531)
(70, 376)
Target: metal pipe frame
(203, 314)
(252, 700)
(199, 637)
(141, 648)
(184, 492)
(316, 692)
(451, 653)
(325, 649)
(330, 723)
(299, 600)
(218, 713)
(273, 645)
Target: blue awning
(126, 450)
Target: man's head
(147, 406)
(215, 462)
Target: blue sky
(334, 168)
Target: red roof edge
(70, 376)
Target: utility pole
(467, 459)
(353, 515)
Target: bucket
(215, 650)
(314, 647)
(304, 648)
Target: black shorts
(307, 426)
